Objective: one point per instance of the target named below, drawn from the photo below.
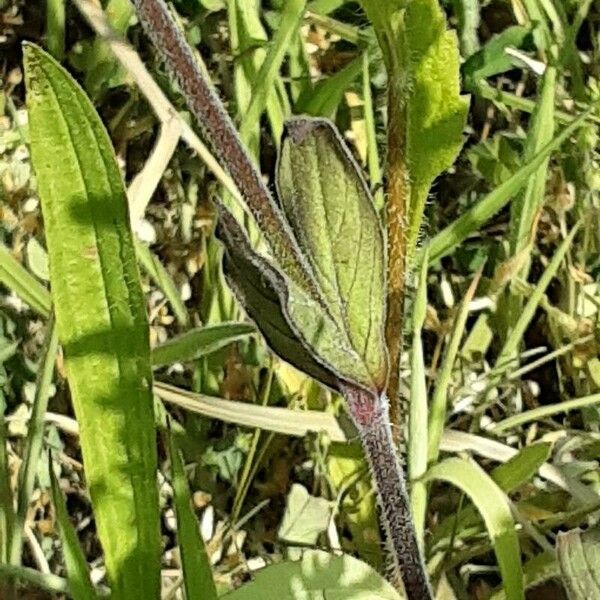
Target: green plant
(318, 297)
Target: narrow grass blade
(270, 418)
(55, 28)
(494, 507)
(417, 423)
(439, 401)
(35, 432)
(78, 575)
(199, 342)
(541, 132)
(16, 278)
(545, 411)
(101, 320)
(249, 42)
(471, 221)
(375, 174)
(579, 559)
(527, 313)
(290, 21)
(45, 581)
(7, 515)
(151, 265)
(521, 467)
(536, 571)
(325, 97)
(197, 574)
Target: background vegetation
(504, 339)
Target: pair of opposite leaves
(329, 320)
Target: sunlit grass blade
(80, 585)
(197, 574)
(7, 515)
(15, 277)
(35, 431)
(541, 131)
(472, 220)
(271, 418)
(324, 99)
(494, 507)
(536, 414)
(290, 21)
(44, 581)
(55, 28)
(101, 320)
(439, 400)
(199, 342)
(527, 313)
(151, 265)
(417, 423)
(375, 174)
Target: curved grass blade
(494, 507)
(324, 99)
(199, 342)
(101, 320)
(151, 265)
(265, 78)
(35, 431)
(80, 585)
(197, 574)
(15, 277)
(472, 220)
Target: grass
(499, 368)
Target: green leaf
(521, 467)
(422, 62)
(78, 576)
(16, 278)
(579, 559)
(337, 337)
(473, 219)
(199, 342)
(324, 99)
(317, 575)
(328, 205)
(493, 505)
(435, 109)
(197, 574)
(264, 293)
(35, 433)
(492, 59)
(101, 320)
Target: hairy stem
(372, 420)
(397, 195)
(220, 131)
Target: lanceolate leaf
(339, 338)
(264, 292)
(436, 111)
(422, 61)
(101, 320)
(329, 207)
